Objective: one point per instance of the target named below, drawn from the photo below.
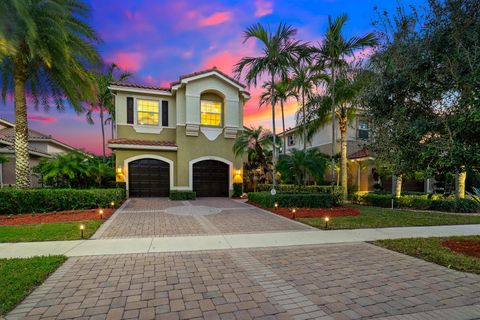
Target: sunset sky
(160, 40)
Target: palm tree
(279, 53)
(346, 91)
(104, 100)
(296, 165)
(282, 92)
(46, 48)
(334, 53)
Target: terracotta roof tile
(363, 153)
(139, 86)
(143, 142)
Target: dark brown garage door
(148, 178)
(210, 178)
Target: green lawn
(48, 231)
(430, 249)
(18, 277)
(380, 217)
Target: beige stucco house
(180, 137)
(40, 145)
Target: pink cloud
(224, 61)
(263, 8)
(216, 18)
(42, 119)
(131, 61)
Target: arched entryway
(211, 178)
(148, 178)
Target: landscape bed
(434, 250)
(301, 213)
(51, 217)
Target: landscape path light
(327, 219)
(293, 213)
(101, 213)
(82, 227)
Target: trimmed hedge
(14, 201)
(417, 201)
(299, 189)
(292, 200)
(237, 190)
(183, 195)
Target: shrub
(237, 190)
(182, 195)
(292, 200)
(419, 201)
(13, 201)
(291, 188)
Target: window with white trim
(291, 140)
(210, 113)
(363, 129)
(147, 112)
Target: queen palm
(46, 46)
(334, 52)
(282, 91)
(104, 100)
(279, 53)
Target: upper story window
(291, 140)
(211, 113)
(147, 112)
(363, 129)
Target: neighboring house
(180, 137)
(361, 167)
(40, 146)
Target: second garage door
(148, 178)
(211, 178)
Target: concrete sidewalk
(226, 241)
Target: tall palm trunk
(333, 124)
(102, 125)
(22, 159)
(274, 154)
(343, 143)
(304, 122)
(398, 186)
(283, 127)
(460, 178)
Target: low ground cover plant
(182, 195)
(14, 201)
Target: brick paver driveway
(143, 217)
(350, 281)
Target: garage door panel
(149, 178)
(211, 178)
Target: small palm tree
(334, 52)
(104, 100)
(279, 52)
(46, 49)
(64, 169)
(296, 165)
(282, 91)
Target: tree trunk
(460, 178)
(283, 125)
(304, 122)
(398, 186)
(343, 144)
(333, 123)
(22, 158)
(102, 125)
(274, 154)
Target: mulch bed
(339, 211)
(50, 217)
(466, 247)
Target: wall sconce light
(239, 172)
(119, 169)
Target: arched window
(211, 109)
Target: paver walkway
(160, 217)
(349, 281)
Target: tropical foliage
(299, 164)
(47, 48)
(75, 170)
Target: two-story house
(180, 137)
(361, 169)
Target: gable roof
(360, 154)
(7, 135)
(184, 79)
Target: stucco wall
(127, 131)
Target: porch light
(82, 227)
(327, 219)
(119, 169)
(239, 172)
